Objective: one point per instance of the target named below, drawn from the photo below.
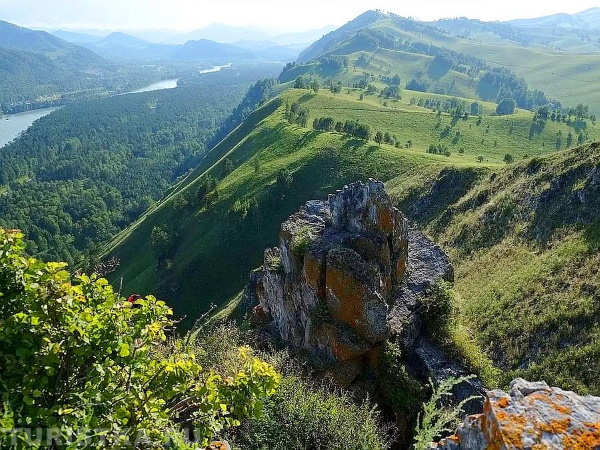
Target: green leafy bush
(402, 392)
(304, 413)
(438, 311)
(301, 240)
(79, 359)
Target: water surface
(12, 125)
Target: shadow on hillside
(306, 97)
(352, 143)
(308, 138)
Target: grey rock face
(347, 273)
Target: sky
(275, 15)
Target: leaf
(124, 350)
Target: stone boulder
(530, 416)
(347, 274)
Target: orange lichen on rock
(345, 297)
(343, 346)
(312, 273)
(532, 416)
(583, 439)
(385, 220)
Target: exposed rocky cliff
(530, 416)
(347, 275)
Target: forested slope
(81, 174)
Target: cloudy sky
(275, 15)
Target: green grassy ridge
(514, 266)
(493, 138)
(526, 253)
(216, 249)
(569, 77)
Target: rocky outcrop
(347, 274)
(530, 416)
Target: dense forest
(83, 173)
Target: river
(215, 69)
(164, 84)
(12, 125)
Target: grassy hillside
(492, 137)
(216, 246)
(568, 76)
(525, 242)
(524, 237)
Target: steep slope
(220, 239)
(523, 238)
(526, 247)
(336, 37)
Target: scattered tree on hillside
(297, 114)
(506, 106)
(476, 109)
(358, 130)
(282, 183)
(162, 243)
(323, 123)
(315, 86)
(417, 85)
(569, 140)
(379, 137)
(300, 83)
(227, 167)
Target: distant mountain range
(227, 34)
(588, 19)
(125, 46)
(36, 63)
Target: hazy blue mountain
(124, 46)
(206, 49)
(591, 17)
(35, 63)
(302, 37)
(75, 38)
(222, 33)
(62, 52)
(19, 38)
(588, 19)
(270, 50)
(118, 38)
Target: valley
(343, 230)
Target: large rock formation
(347, 274)
(530, 416)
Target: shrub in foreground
(79, 359)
